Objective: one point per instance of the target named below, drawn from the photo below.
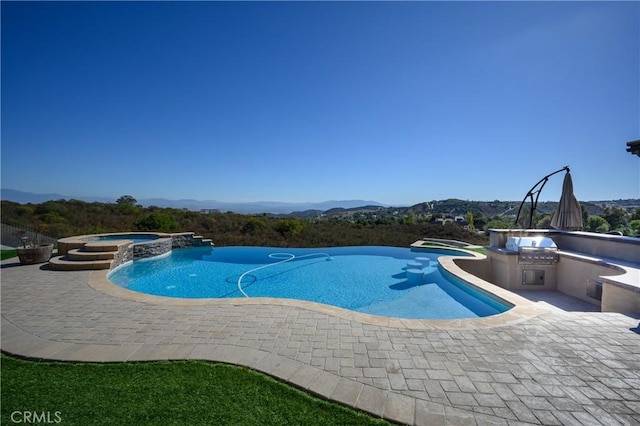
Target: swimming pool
(370, 280)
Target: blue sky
(398, 102)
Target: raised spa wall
(163, 245)
(601, 269)
(89, 252)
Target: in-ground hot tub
(136, 238)
(108, 251)
(111, 241)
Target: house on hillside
(457, 220)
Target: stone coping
(521, 310)
(558, 367)
(96, 237)
(92, 241)
(387, 404)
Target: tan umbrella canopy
(568, 215)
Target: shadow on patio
(558, 300)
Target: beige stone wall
(477, 267)
(618, 299)
(503, 268)
(508, 273)
(575, 274)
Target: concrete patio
(552, 366)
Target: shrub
(290, 227)
(254, 224)
(162, 222)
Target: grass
(7, 254)
(167, 393)
(433, 244)
(481, 250)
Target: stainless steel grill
(545, 256)
(534, 250)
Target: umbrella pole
(533, 191)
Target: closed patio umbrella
(568, 214)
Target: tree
(498, 222)
(469, 219)
(410, 219)
(597, 224)
(291, 227)
(126, 200)
(479, 221)
(614, 216)
(126, 205)
(585, 214)
(253, 225)
(544, 222)
(162, 222)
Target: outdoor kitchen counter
(620, 288)
(600, 269)
(629, 276)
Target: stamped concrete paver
(554, 367)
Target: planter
(32, 255)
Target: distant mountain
(451, 207)
(367, 208)
(336, 211)
(273, 207)
(454, 207)
(29, 197)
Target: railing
(15, 234)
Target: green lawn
(432, 244)
(163, 393)
(481, 250)
(7, 254)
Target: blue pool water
(371, 280)
(136, 238)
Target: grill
(533, 250)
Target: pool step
(200, 241)
(78, 255)
(81, 254)
(64, 263)
(415, 276)
(91, 256)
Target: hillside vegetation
(367, 225)
(65, 218)
(619, 216)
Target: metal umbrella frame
(535, 192)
